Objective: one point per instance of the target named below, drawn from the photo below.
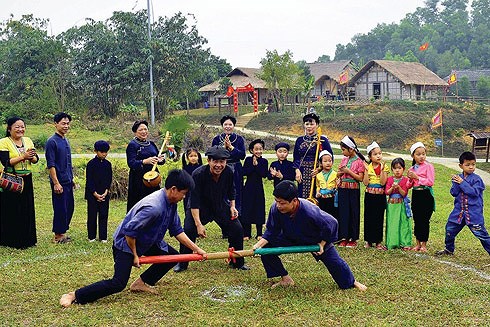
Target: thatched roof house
(327, 75)
(239, 77)
(473, 76)
(386, 79)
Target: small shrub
(40, 141)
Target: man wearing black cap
(213, 199)
(293, 221)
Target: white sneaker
(103, 241)
(92, 240)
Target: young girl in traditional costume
(349, 175)
(326, 185)
(398, 212)
(191, 160)
(253, 208)
(422, 176)
(375, 175)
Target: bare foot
(246, 238)
(416, 248)
(140, 286)
(423, 249)
(359, 286)
(67, 299)
(285, 281)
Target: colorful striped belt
(349, 185)
(375, 189)
(395, 200)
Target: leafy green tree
(483, 87)
(282, 76)
(324, 58)
(464, 87)
(28, 67)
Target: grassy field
(405, 289)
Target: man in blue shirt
(295, 221)
(141, 233)
(58, 158)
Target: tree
(282, 76)
(464, 87)
(483, 87)
(29, 60)
(324, 58)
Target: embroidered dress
(136, 152)
(398, 215)
(17, 214)
(350, 200)
(304, 157)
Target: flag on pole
(437, 119)
(229, 91)
(452, 79)
(344, 78)
(424, 46)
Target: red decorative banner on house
(437, 119)
(235, 101)
(344, 78)
(256, 101)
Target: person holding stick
(294, 221)
(141, 233)
(213, 199)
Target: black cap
(310, 117)
(282, 145)
(286, 190)
(217, 152)
(102, 146)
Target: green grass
(405, 289)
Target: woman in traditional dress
(17, 214)
(235, 144)
(141, 155)
(304, 154)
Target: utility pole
(152, 102)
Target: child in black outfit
(282, 169)
(99, 179)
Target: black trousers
(101, 209)
(422, 208)
(328, 205)
(233, 228)
(349, 213)
(374, 214)
(123, 262)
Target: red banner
(437, 119)
(235, 101)
(344, 78)
(256, 102)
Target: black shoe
(179, 268)
(244, 267)
(444, 252)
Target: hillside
(395, 125)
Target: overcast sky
(239, 31)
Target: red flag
(437, 119)
(344, 78)
(424, 46)
(230, 91)
(452, 79)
